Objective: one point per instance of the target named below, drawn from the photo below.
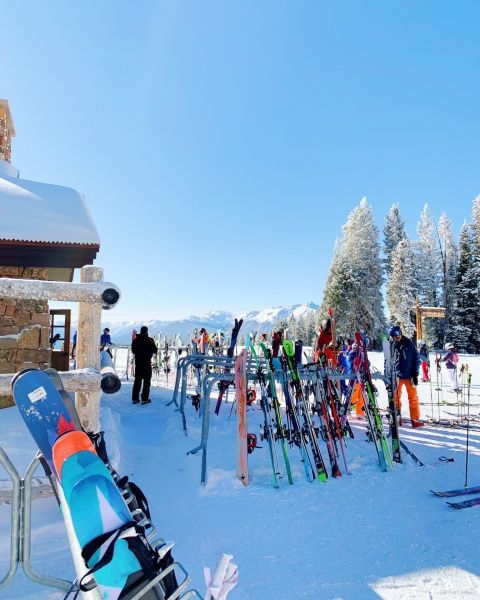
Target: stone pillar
(24, 329)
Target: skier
(143, 348)
(324, 338)
(424, 359)
(451, 359)
(202, 341)
(406, 364)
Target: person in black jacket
(406, 364)
(143, 348)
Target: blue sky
(222, 145)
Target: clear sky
(221, 145)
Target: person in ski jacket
(356, 399)
(324, 338)
(331, 355)
(202, 341)
(405, 364)
(424, 359)
(105, 337)
(451, 359)
(106, 341)
(143, 348)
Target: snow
(57, 213)
(364, 536)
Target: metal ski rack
(20, 530)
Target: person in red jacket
(324, 338)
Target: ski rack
(223, 371)
(20, 530)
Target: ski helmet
(420, 343)
(394, 331)
(354, 346)
(449, 346)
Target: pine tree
(393, 233)
(401, 289)
(333, 294)
(300, 330)
(292, 327)
(310, 330)
(448, 252)
(355, 277)
(464, 312)
(428, 271)
(280, 324)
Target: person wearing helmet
(324, 338)
(406, 364)
(424, 359)
(451, 359)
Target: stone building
(46, 232)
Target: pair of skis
(374, 419)
(273, 427)
(461, 492)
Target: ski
(375, 425)
(281, 435)
(223, 385)
(460, 492)
(268, 432)
(411, 454)
(465, 503)
(289, 353)
(392, 412)
(298, 436)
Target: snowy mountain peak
(214, 320)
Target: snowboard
(95, 503)
(67, 398)
(241, 399)
(42, 409)
(98, 514)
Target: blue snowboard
(42, 409)
(97, 507)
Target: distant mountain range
(218, 320)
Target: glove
(415, 379)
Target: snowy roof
(33, 212)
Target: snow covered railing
(95, 292)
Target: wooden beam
(94, 292)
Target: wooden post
(88, 350)
(418, 315)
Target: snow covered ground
(363, 536)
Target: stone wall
(24, 329)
